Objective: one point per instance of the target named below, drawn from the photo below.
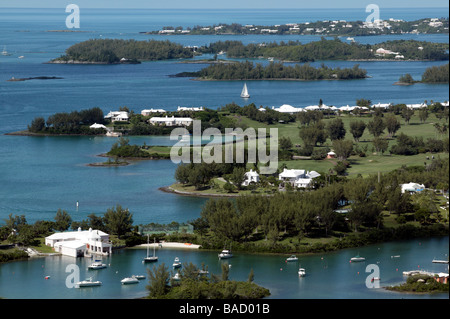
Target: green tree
(118, 220)
(376, 126)
(158, 281)
(336, 129)
(62, 220)
(357, 129)
(392, 124)
(343, 148)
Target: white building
(171, 121)
(148, 112)
(193, 109)
(95, 125)
(412, 187)
(286, 108)
(79, 243)
(251, 177)
(115, 116)
(298, 177)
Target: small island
(117, 51)
(274, 71)
(423, 283)
(13, 79)
(432, 75)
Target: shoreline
(169, 189)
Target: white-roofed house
(251, 177)
(78, 243)
(171, 121)
(286, 108)
(95, 126)
(412, 187)
(117, 116)
(148, 112)
(298, 177)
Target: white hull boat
(129, 280)
(292, 258)
(357, 259)
(225, 254)
(149, 258)
(302, 272)
(97, 265)
(176, 263)
(88, 283)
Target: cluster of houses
(286, 108)
(298, 178)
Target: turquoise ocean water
(40, 175)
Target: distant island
(433, 74)
(13, 79)
(115, 51)
(274, 71)
(332, 49)
(325, 27)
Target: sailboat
(154, 257)
(244, 93)
(4, 52)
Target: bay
(328, 275)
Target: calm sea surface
(40, 175)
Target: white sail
(244, 92)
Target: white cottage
(120, 116)
(298, 177)
(171, 121)
(79, 243)
(251, 177)
(412, 187)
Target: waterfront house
(412, 187)
(251, 177)
(117, 116)
(286, 108)
(149, 112)
(95, 126)
(79, 243)
(171, 121)
(192, 109)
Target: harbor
(328, 275)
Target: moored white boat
(177, 277)
(154, 257)
(292, 258)
(87, 283)
(129, 280)
(97, 265)
(225, 254)
(302, 272)
(357, 258)
(139, 277)
(176, 263)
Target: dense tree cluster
(333, 49)
(276, 70)
(113, 50)
(75, 122)
(307, 213)
(436, 74)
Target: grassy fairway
(372, 163)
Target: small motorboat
(357, 258)
(139, 277)
(302, 272)
(88, 283)
(176, 263)
(97, 265)
(176, 277)
(129, 280)
(225, 254)
(292, 258)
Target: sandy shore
(171, 245)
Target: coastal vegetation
(434, 74)
(75, 122)
(420, 284)
(111, 51)
(330, 49)
(331, 28)
(195, 283)
(275, 71)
